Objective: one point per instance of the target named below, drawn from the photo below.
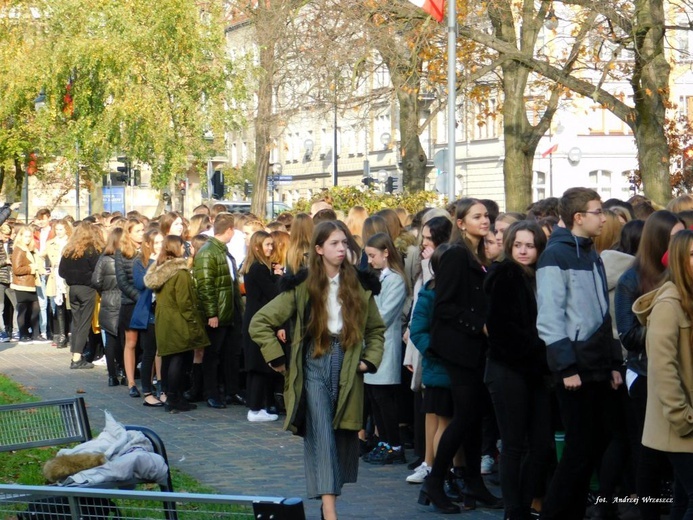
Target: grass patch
(25, 467)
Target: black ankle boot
(194, 395)
(432, 491)
(475, 488)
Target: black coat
(104, 281)
(78, 271)
(459, 309)
(511, 321)
(123, 269)
(260, 288)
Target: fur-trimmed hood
(158, 275)
(369, 280)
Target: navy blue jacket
(630, 331)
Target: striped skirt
(331, 456)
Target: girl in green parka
(337, 337)
(178, 324)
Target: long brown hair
(680, 272)
(349, 296)
(383, 242)
(113, 241)
(86, 236)
(170, 249)
(147, 247)
(281, 246)
(167, 219)
(299, 245)
(463, 206)
(127, 246)
(654, 242)
(255, 253)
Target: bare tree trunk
(406, 79)
(411, 152)
(651, 88)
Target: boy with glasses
(574, 322)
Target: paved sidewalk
(220, 448)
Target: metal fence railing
(72, 503)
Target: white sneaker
(101, 361)
(261, 416)
(419, 474)
(486, 464)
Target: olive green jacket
(178, 323)
(291, 305)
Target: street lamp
(308, 146)
(385, 139)
(551, 21)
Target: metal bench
(19, 502)
(65, 421)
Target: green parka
(215, 287)
(291, 305)
(178, 323)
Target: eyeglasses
(595, 212)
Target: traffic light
(247, 188)
(390, 184)
(123, 171)
(368, 181)
(136, 177)
(183, 186)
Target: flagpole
(452, 96)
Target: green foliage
(141, 78)
(346, 197)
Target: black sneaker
(393, 456)
(82, 363)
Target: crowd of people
(553, 346)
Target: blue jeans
(43, 305)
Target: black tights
(470, 398)
(114, 354)
(174, 373)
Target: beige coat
(669, 415)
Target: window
(628, 187)
(600, 181)
(539, 185)
(485, 120)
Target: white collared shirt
(334, 308)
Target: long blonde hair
(349, 296)
(299, 244)
(680, 271)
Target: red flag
(549, 151)
(432, 7)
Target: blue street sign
(281, 178)
(114, 198)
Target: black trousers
(584, 414)
(652, 466)
(522, 408)
(383, 403)
(259, 390)
(27, 314)
(82, 303)
(470, 399)
(682, 508)
(216, 354)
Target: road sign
(281, 178)
(114, 198)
